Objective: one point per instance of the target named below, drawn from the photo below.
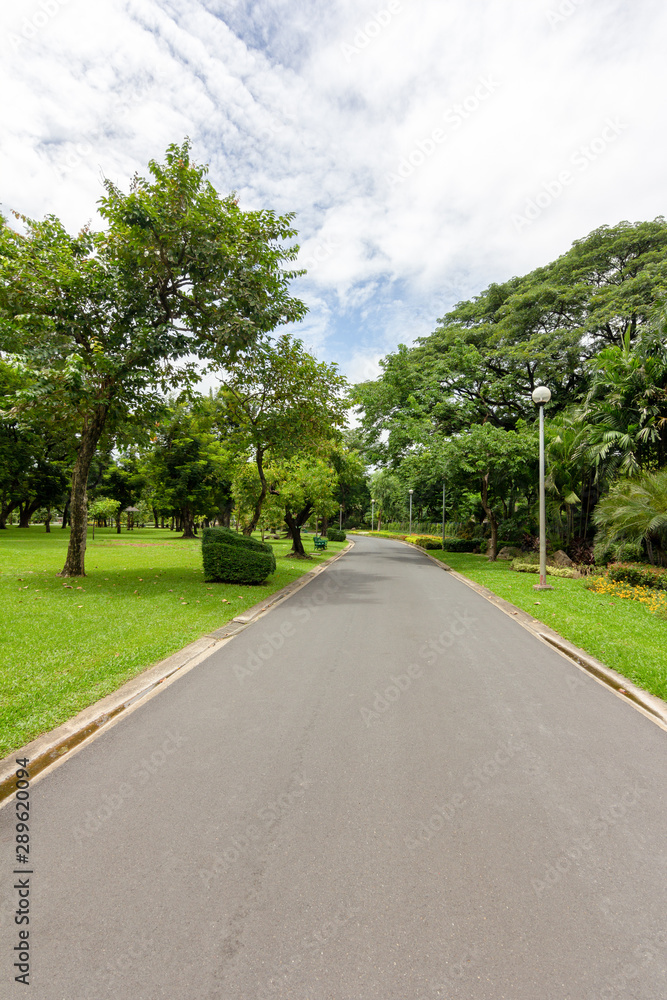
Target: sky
(427, 148)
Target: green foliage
(459, 545)
(232, 558)
(424, 542)
(335, 535)
(634, 510)
(638, 576)
(565, 572)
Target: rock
(509, 552)
(562, 559)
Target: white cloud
(310, 106)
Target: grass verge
(624, 634)
(67, 643)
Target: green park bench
(320, 543)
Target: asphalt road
(385, 789)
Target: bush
(638, 576)
(232, 558)
(459, 545)
(334, 535)
(563, 571)
(426, 542)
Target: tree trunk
(257, 513)
(188, 523)
(155, 518)
(5, 511)
(26, 512)
(294, 524)
(93, 425)
(47, 522)
(65, 513)
(118, 516)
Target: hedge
(334, 535)
(638, 576)
(460, 544)
(424, 542)
(232, 558)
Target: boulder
(562, 559)
(509, 552)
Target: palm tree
(636, 510)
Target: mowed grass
(67, 643)
(624, 634)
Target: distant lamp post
(372, 512)
(340, 518)
(541, 396)
(411, 492)
(443, 512)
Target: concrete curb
(53, 746)
(654, 707)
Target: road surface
(385, 789)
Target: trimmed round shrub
(334, 535)
(232, 558)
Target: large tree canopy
(108, 322)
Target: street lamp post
(411, 492)
(372, 512)
(443, 513)
(340, 518)
(541, 396)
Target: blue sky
(427, 147)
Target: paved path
(385, 789)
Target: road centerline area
(383, 789)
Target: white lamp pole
(411, 492)
(443, 513)
(372, 512)
(340, 518)
(541, 396)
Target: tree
(636, 510)
(123, 482)
(189, 468)
(279, 400)
(108, 322)
(304, 485)
(498, 464)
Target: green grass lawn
(623, 634)
(65, 647)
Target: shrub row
(638, 576)
(232, 558)
(425, 542)
(563, 571)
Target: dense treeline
(457, 406)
